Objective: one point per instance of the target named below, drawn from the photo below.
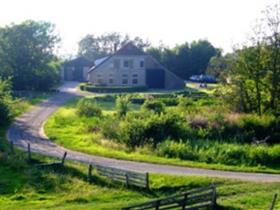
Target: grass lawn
(65, 128)
(25, 187)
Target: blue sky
(223, 22)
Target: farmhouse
(76, 69)
(130, 66)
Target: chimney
(115, 47)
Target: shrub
(173, 149)
(132, 132)
(110, 128)
(5, 101)
(153, 129)
(153, 105)
(122, 105)
(87, 108)
(108, 89)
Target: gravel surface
(28, 128)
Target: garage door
(155, 78)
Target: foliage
(153, 105)
(120, 89)
(88, 108)
(27, 55)
(187, 59)
(253, 70)
(122, 105)
(221, 153)
(94, 47)
(151, 129)
(5, 102)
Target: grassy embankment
(24, 187)
(71, 131)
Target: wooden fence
(203, 198)
(129, 178)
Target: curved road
(28, 128)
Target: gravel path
(28, 128)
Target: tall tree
(28, 55)
(272, 22)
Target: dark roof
(80, 61)
(130, 49)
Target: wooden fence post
(89, 172)
(63, 158)
(12, 147)
(126, 180)
(214, 198)
(184, 201)
(273, 202)
(147, 181)
(29, 152)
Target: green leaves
(27, 55)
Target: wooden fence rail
(129, 178)
(191, 200)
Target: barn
(76, 69)
(130, 66)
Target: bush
(117, 89)
(132, 132)
(86, 108)
(153, 129)
(122, 105)
(110, 128)
(5, 102)
(173, 149)
(153, 105)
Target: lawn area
(24, 186)
(82, 134)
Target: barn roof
(80, 61)
(127, 49)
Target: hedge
(110, 89)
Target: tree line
(184, 60)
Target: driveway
(28, 128)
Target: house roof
(127, 49)
(130, 49)
(79, 61)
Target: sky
(224, 23)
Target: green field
(25, 187)
(74, 132)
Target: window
(125, 81)
(141, 64)
(126, 63)
(134, 75)
(124, 75)
(98, 75)
(116, 63)
(135, 81)
(111, 81)
(99, 81)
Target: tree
(28, 55)
(5, 101)
(186, 59)
(272, 37)
(93, 47)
